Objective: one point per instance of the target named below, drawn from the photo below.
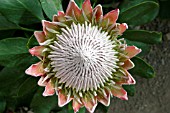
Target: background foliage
(20, 18)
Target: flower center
(83, 57)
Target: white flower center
(83, 57)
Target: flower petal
(63, 99)
(40, 36)
(90, 104)
(128, 64)
(87, 8)
(122, 28)
(49, 89)
(36, 69)
(73, 10)
(76, 105)
(105, 100)
(119, 92)
(110, 18)
(98, 12)
(37, 50)
(132, 51)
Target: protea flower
(81, 58)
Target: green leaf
(79, 3)
(148, 37)
(9, 76)
(2, 104)
(19, 60)
(27, 86)
(16, 10)
(51, 7)
(138, 12)
(142, 68)
(145, 47)
(6, 25)
(14, 53)
(41, 104)
(13, 46)
(130, 89)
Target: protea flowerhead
(81, 58)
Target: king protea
(81, 59)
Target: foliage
(20, 18)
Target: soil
(152, 95)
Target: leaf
(9, 76)
(138, 12)
(14, 10)
(148, 37)
(6, 25)
(142, 68)
(27, 86)
(19, 60)
(145, 47)
(13, 46)
(130, 89)
(2, 104)
(14, 53)
(13, 99)
(51, 7)
(41, 104)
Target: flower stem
(26, 29)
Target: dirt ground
(153, 95)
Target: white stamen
(83, 57)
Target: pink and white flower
(82, 61)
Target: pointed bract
(105, 100)
(36, 70)
(87, 8)
(60, 17)
(40, 36)
(98, 12)
(128, 64)
(111, 17)
(37, 51)
(90, 104)
(41, 81)
(49, 89)
(122, 28)
(130, 80)
(73, 10)
(132, 51)
(76, 105)
(50, 29)
(60, 13)
(63, 99)
(119, 92)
